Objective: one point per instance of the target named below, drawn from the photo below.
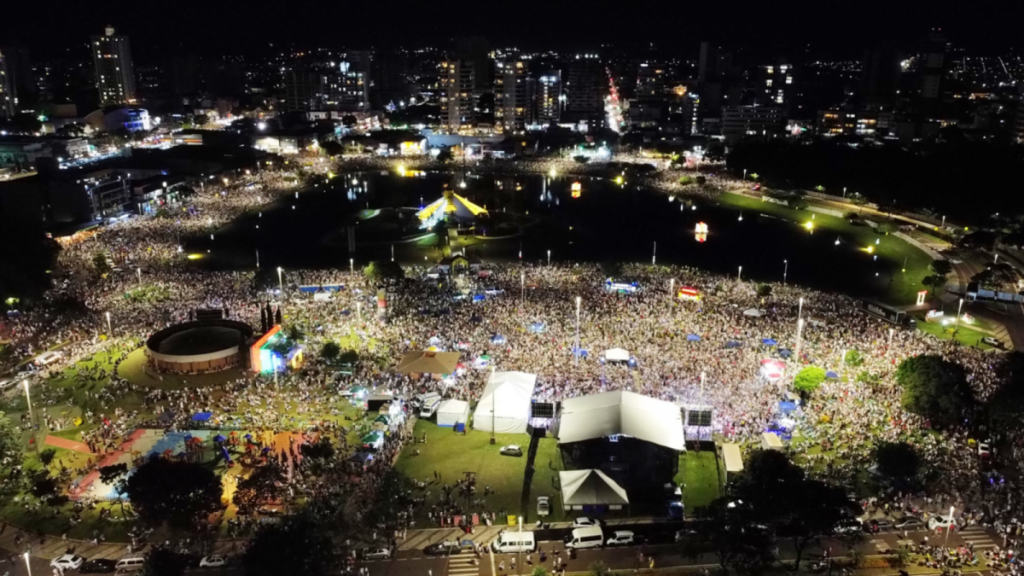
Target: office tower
(457, 94)
(650, 82)
(760, 122)
(21, 79)
(354, 82)
(112, 61)
(881, 78)
(475, 51)
(390, 69)
(512, 95)
(585, 91)
(934, 65)
(6, 95)
(303, 90)
(778, 83)
(710, 63)
(547, 99)
(182, 73)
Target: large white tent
(621, 412)
(590, 488)
(451, 412)
(509, 395)
(616, 355)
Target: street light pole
(577, 351)
(958, 310)
(800, 310)
(522, 285)
(799, 331)
(889, 347)
(654, 255)
(352, 266)
(739, 275)
(785, 271)
(139, 272)
(744, 173)
(549, 257)
(280, 282)
(110, 332)
(27, 565)
(949, 526)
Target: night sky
(834, 29)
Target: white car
(941, 522)
(214, 561)
(376, 553)
(584, 521)
(620, 538)
(543, 506)
(511, 450)
(67, 562)
(984, 450)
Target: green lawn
(698, 473)
(965, 334)
(891, 249)
(451, 454)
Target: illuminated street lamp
(785, 270)
(109, 331)
(654, 255)
(739, 275)
(949, 526)
(138, 271)
(522, 284)
(351, 265)
(799, 332)
(549, 257)
(27, 565)
(576, 352)
(800, 310)
(280, 282)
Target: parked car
(849, 526)
(909, 523)
(984, 450)
(584, 521)
(376, 553)
(993, 342)
(448, 547)
(98, 566)
(878, 525)
(67, 562)
(620, 538)
(941, 522)
(6, 383)
(543, 506)
(755, 187)
(214, 561)
(511, 450)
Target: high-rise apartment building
(585, 91)
(881, 77)
(934, 65)
(547, 98)
(650, 82)
(512, 95)
(457, 94)
(778, 83)
(6, 95)
(20, 77)
(761, 122)
(303, 90)
(351, 86)
(112, 62)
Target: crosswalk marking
(977, 536)
(463, 566)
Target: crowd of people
(707, 352)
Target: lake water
(608, 222)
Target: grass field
(451, 454)
(698, 473)
(965, 334)
(903, 290)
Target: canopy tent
(733, 458)
(770, 441)
(509, 395)
(769, 341)
(753, 312)
(693, 338)
(429, 362)
(590, 488)
(451, 206)
(202, 416)
(613, 413)
(616, 355)
(452, 412)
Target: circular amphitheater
(199, 347)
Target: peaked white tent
(509, 395)
(591, 488)
(616, 355)
(451, 412)
(621, 412)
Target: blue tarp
(219, 438)
(768, 341)
(785, 352)
(579, 352)
(479, 298)
(202, 416)
(324, 287)
(693, 338)
(733, 344)
(787, 407)
(498, 339)
(537, 327)
(832, 374)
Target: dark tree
(331, 148)
(330, 351)
(258, 488)
(165, 562)
(177, 493)
(897, 460)
(296, 546)
(934, 388)
(942, 267)
(384, 271)
(734, 535)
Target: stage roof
(429, 362)
(628, 413)
(455, 205)
(589, 488)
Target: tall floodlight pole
(799, 331)
(110, 332)
(522, 284)
(739, 275)
(654, 255)
(785, 271)
(280, 281)
(800, 310)
(577, 351)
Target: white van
(511, 542)
(421, 400)
(130, 564)
(48, 358)
(586, 537)
(429, 408)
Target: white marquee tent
(451, 412)
(591, 488)
(621, 412)
(509, 395)
(616, 355)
